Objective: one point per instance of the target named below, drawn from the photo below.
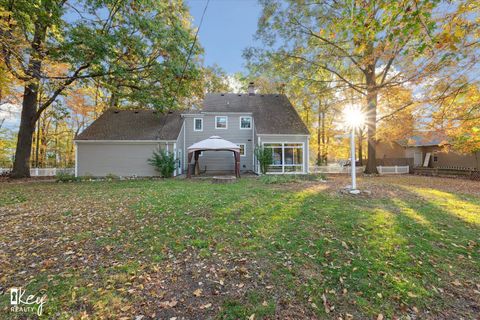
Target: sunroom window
(287, 157)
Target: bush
(264, 157)
(164, 162)
(65, 177)
(112, 176)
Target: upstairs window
(198, 124)
(245, 122)
(221, 122)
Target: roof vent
(170, 111)
(115, 111)
(251, 89)
(222, 94)
(136, 111)
(239, 95)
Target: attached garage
(122, 158)
(120, 142)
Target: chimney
(251, 89)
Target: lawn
(251, 250)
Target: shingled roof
(425, 139)
(117, 124)
(273, 113)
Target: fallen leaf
(325, 303)
(380, 316)
(198, 292)
(206, 306)
(168, 304)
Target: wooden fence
(469, 173)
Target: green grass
(300, 241)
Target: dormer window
(221, 122)
(245, 122)
(198, 124)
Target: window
(242, 149)
(287, 157)
(435, 156)
(245, 122)
(198, 124)
(221, 122)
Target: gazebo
(214, 143)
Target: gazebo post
(237, 164)
(197, 167)
(189, 171)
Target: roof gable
(117, 124)
(273, 113)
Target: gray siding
(221, 161)
(120, 158)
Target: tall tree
(388, 43)
(139, 47)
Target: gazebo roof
(214, 143)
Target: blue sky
(227, 29)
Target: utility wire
(193, 45)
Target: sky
(228, 28)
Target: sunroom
(287, 157)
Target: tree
(388, 43)
(136, 49)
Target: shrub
(112, 176)
(264, 157)
(164, 162)
(65, 177)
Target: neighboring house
(425, 149)
(121, 141)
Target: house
(121, 141)
(425, 149)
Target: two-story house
(121, 141)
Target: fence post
(396, 171)
(36, 172)
(380, 169)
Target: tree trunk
(21, 165)
(319, 136)
(372, 97)
(324, 145)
